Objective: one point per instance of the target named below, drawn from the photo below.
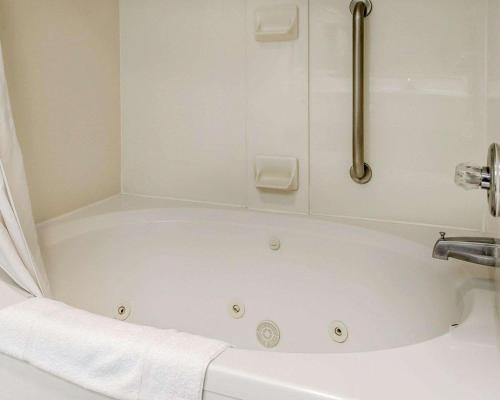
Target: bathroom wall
(277, 106)
(62, 64)
(202, 98)
(183, 99)
(425, 108)
(493, 87)
(493, 103)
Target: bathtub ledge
(460, 365)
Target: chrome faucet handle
(472, 176)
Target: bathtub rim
(436, 366)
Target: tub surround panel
(63, 71)
(425, 110)
(277, 107)
(493, 89)
(194, 121)
(183, 99)
(493, 104)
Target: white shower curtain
(20, 255)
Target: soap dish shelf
(276, 23)
(276, 173)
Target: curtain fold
(20, 255)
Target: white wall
(63, 72)
(183, 99)
(277, 107)
(201, 98)
(493, 86)
(425, 110)
(493, 102)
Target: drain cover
(268, 334)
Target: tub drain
(268, 334)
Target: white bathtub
(187, 267)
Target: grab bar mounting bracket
(367, 176)
(368, 6)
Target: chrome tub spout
(477, 250)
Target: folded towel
(114, 358)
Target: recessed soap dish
(276, 23)
(276, 173)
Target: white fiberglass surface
(184, 268)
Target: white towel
(120, 360)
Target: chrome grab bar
(360, 170)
